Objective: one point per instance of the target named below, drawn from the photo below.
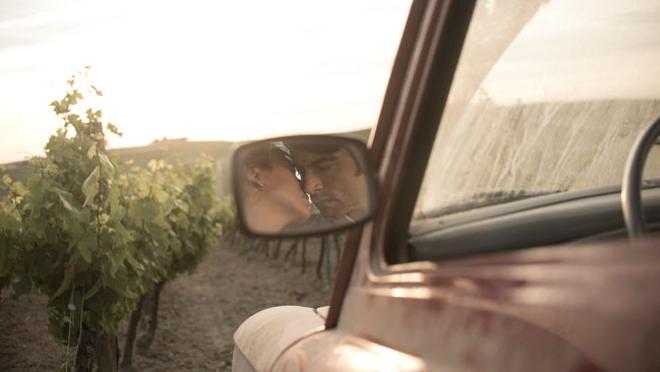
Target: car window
(548, 97)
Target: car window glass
(548, 97)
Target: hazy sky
(206, 70)
(214, 70)
(582, 50)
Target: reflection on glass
(548, 97)
(302, 184)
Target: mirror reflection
(303, 184)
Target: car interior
(565, 218)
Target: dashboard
(540, 221)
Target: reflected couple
(302, 184)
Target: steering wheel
(631, 190)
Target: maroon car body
(583, 305)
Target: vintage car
(504, 223)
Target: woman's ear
(255, 177)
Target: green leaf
(84, 248)
(19, 188)
(160, 195)
(77, 229)
(95, 288)
(69, 274)
(105, 161)
(96, 90)
(117, 212)
(133, 262)
(144, 210)
(113, 266)
(59, 107)
(92, 151)
(67, 205)
(73, 119)
(113, 129)
(91, 186)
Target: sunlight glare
(209, 70)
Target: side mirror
(303, 185)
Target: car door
(542, 309)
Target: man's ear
(256, 177)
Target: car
(506, 225)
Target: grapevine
(96, 235)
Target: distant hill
(179, 150)
(170, 150)
(173, 150)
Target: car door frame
(414, 100)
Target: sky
(581, 50)
(205, 70)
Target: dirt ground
(198, 313)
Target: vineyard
(96, 239)
(99, 237)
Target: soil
(198, 313)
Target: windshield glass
(549, 97)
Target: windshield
(548, 97)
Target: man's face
(335, 183)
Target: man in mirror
(334, 179)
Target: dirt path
(198, 316)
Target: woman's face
(284, 191)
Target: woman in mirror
(271, 194)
